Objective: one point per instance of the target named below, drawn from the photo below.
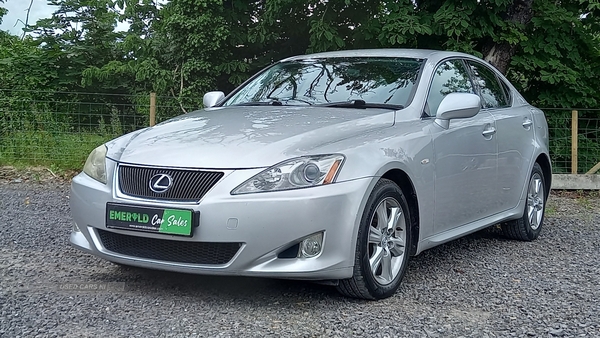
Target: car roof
(384, 52)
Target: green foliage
(560, 67)
(24, 66)
(80, 34)
(187, 47)
(23, 148)
(184, 48)
(3, 11)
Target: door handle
(489, 132)
(527, 124)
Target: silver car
(334, 167)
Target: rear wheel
(529, 226)
(382, 245)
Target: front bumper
(265, 224)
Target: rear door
(514, 135)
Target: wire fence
(59, 129)
(574, 139)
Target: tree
(184, 48)
(558, 63)
(539, 45)
(80, 34)
(3, 11)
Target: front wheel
(382, 247)
(529, 226)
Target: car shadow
(219, 288)
(266, 291)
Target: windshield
(375, 80)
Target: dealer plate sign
(149, 219)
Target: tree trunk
(500, 54)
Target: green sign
(165, 221)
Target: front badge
(160, 183)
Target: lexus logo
(160, 183)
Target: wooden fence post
(152, 109)
(594, 169)
(574, 129)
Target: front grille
(168, 250)
(188, 185)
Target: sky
(17, 10)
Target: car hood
(245, 137)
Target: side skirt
(463, 230)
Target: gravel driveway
(478, 286)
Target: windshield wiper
(288, 99)
(274, 102)
(361, 104)
(259, 103)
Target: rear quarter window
(493, 95)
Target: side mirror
(457, 106)
(212, 98)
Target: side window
(506, 93)
(450, 77)
(492, 94)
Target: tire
(388, 250)
(529, 226)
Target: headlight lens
(95, 166)
(301, 172)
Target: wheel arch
(544, 161)
(402, 179)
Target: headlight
(95, 166)
(301, 172)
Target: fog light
(311, 246)
(75, 227)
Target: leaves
(184, 48)
(3, 11)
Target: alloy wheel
(535, 201)
(387, 241)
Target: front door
(465, 154)
(465, 160)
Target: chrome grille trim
(188, 185)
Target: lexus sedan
(334, 167)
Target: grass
(550, 210)
(588, 199)
(56, 151)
